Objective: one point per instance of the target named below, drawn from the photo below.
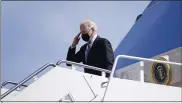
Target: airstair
(61, 84)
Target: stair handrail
(134, 58)
(83, 65)
(11, 82)
(139, 58)
(28, 78)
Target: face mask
(85, 37)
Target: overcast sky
(39, 32)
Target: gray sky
(39, 32)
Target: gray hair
(90, 24)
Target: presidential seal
(161, 73)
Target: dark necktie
(87, 50)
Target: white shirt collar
(93, 38)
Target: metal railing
(139, 58)
(53, 65)
(83, 65)
(28, 78)
(13, 83)
(135, 58)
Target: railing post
(73, 67)
(35, 78)
(103, 74)
(142, 71)
(141, 75)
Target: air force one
(147, 67)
